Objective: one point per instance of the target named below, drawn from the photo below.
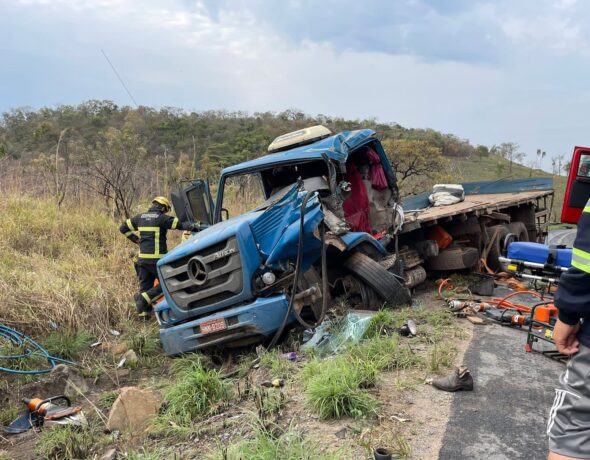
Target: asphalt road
(566, 237)
(504, 417)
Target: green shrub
(197, 391)
(65, 442)
(337, 387)
(269, 442)
(67, 344)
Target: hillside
(494, 167)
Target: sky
(489, 72)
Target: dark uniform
(568, 427)
(152, 227)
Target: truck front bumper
(245, 324)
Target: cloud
(488, 71)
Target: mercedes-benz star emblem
(198, 271)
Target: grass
(197, 392)
(441, 356)
(107, 399)
(472, 169)
(277, 366)
(337, 387)
(66, 442)
(145, 454)
(270, 442)
(68, 266)
(8, 414)
(67, 344)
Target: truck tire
(454, 258)
(385, 284)
(497, 246)
(519, 230)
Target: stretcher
(537, 262)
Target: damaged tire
(497, 246)
(384, 283)
(454, 258)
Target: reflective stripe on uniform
(587, 209)
(129, 233)
(146, 297)
(130, 225)
(175, 223)
(581, 260)
(156, 254)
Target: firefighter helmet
(163, 201)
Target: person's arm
(128, 228)
(173, 223)
(573, 294)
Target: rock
(73, 383)
(129, 359)
(119, 348)
(110, 454)
(133, 410)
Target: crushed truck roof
(335, 147)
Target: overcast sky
(487, 71)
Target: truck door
(577, 191)
(194, 203)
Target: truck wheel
(519, 229)
(385, 284)
(454, 258)
(497, 247)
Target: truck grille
(212, 275)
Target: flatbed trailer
(480, 226)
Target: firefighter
(568, 427)
(152, 227)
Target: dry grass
(68, 267)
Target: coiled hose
(297, 273)
(30, 349)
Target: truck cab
(261, 260)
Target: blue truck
(323, 220)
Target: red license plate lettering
(215, 325)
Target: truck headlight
(269, 278)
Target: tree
(540, 156)
(114, 170)
(418, 164)
(509, 151)
(482, 151)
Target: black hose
(297, 273)
(324, 264)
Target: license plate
(215, 325)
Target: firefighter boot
(144, 310)
(460, 379)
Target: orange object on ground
(545, 312)
(440, 235)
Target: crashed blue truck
(233, 283)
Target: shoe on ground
(459, 380)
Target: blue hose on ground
(30, 349)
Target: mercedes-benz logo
(198, 271)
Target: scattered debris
(115, 332)
(110, 454)
(341, 434)
(459, 380)
(409, 329)
(399, 419)
(383, 454)
(276, 383)
(133, 410)
(291, 356)
(329, 338)
(476, 320)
